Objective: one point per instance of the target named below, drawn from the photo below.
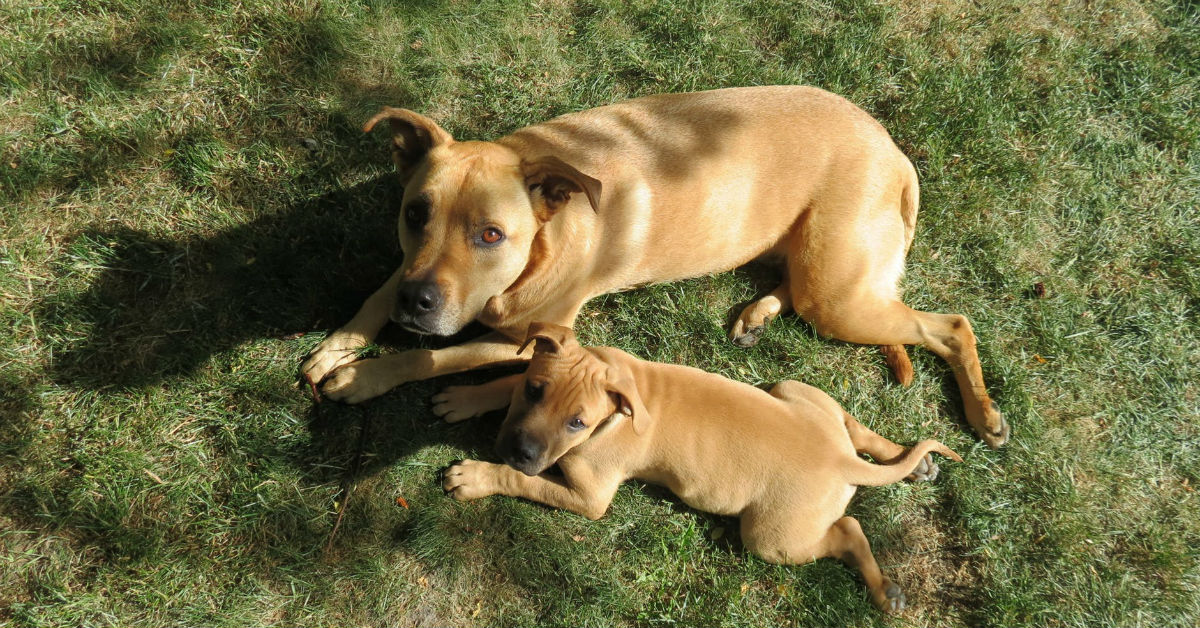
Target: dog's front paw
(336, 350)
(458, 403)
(360, 381)
(469, 479)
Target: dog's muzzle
(418, 306)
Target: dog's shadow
(156, 307)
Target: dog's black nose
(419, 297)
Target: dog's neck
(552, 260)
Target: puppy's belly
(728, 498)
(731, 496)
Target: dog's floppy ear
(550, 338)
(413, 135)
(624, 393)
(559, 180)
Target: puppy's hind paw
(927, 470)
(895, 600)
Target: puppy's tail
(863, 473)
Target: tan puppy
(676, 185)
(786, 462)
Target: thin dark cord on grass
(348, 479)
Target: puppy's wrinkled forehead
(569, 375)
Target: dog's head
(468, 219)
(568, 395)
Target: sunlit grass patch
(187, 204)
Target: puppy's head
(569, 394)
(468, 219)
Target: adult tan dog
(677, 185)
(786, 462)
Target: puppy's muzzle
(521, 452)
(418, 305)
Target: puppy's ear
(558, 180)
(550, 338)
(413, 136)
(624, 393)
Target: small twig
(316, 395)
(347, 487)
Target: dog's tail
(863, 473)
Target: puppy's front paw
(358, 382)
(469, 479)
(458, 403)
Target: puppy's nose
(520, 451)
(525, 451)
(419, 297)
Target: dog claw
(750, 337)
(896, 601)
(312, 386)
(998, 437)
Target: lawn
(188, 205)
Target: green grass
(184, 188)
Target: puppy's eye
(575, 424)
(534, 391)
(491, 236)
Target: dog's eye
(491, 235)
(534, 391)
(575, 424)
(416, 214)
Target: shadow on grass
(17, 404)
(161, 307)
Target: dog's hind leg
(753, 320)
(869, 321)
(864, 440)
(793, 540)
(846, 542)
(898, 362)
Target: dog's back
(715, 178)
